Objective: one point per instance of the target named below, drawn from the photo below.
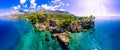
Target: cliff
(59, 25)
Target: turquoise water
(35, 40)
(20, 35)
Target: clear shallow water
(105, 37)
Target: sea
(106, 36)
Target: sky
(77, 7)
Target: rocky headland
(60, 25)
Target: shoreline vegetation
(59, 25)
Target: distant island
(59, 24)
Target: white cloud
(25, 5)
(62, 9)
(54, 1)
(45, 6)
(22, 1)
(57, 2)
(67, 4)
(61, 3)
(32, 1)
(33, 4)
(57, 6)
(14, 7)
(18, 6)
(54, 5)
(38, 6)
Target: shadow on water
(62, 45)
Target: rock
(79, 28)
(64, 38)
(87, 25)
(71, 27)
(55, 35)
(52, 23)
(47, 39)
(92, 24)
(57, 30)
(61, 30)
(46, 35)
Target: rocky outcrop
(63, 37)
(58, 30)
(88, 25)
(52, 23)
(59, 24)
(73, 28)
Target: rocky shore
(59, 24)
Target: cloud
(54, 1)
(57, 3)
(62, 9)
(25, 6)
(33, 4)
(16, 7)
(54, 5)
(22, 1)
(45, 6)
(32, 1)
(67, 4)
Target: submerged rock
(47, 39)
(63, 37)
